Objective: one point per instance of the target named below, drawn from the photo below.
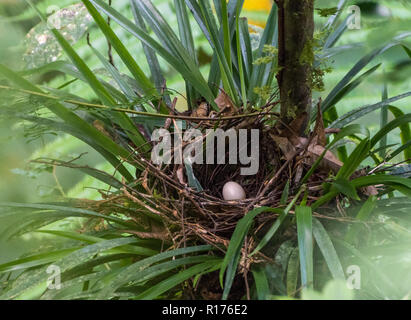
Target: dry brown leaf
(319, 131)
(297, 126)
(180, 175)
(330, 161)
(225, 103)
(202, 111)
(100, 127)
(298, 174)
(370, 191)
(285, 146)
(159, 235)
(299, 142)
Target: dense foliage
(358, 217)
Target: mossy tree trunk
(295, 60)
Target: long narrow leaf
(305, 244)
(362, 111)
(232, 256)
(327, 249)
(172, 281)
(193, 75)
(405, 132)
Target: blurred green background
(21, 181)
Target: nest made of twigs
(189, 214)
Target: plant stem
(295, 59)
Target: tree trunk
(295, 60)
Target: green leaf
(261, 283)
(327, 249)
(232, 256)
(305, 244)
(363, 214)
(400, 121)
(246, 49)
(361, 64)
(182, 51)
(66, 128)
(73, 235)
(407, 50)
(334, 36)
(48, 213)
(151, 55)
(399, 150)
(333, 290)
(70, 70)
(66, 263)
(214, 78)
(354, 160)
(118, 78)
(261, 74)
(340, 92)
(66, 290)
(35, 260)
(334, 18)
(401, 184)
(102, 176)
(292, 273)
(129, 249)
(205, 13)
(142, 276)
(240, 59)
(187, 69)
(276, 225)
(284, 195)
(187, 40)
(161, 268)
(226, 32)
(125, 122)
(192, 180)
(405, 131)
(143, 82)
(381, 179)
(68, 116)
(384, 280)
(383, 121)
(347, 131)
(182, 276)
(344, 186)
(128, 273)
(362, 111)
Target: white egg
(233, 191)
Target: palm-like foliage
(110, 263)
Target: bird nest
(188, 213)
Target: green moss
(269, 49)
(270, 52)
(307, 55)
(263, 60)
(326, 12)
(317, 75)
(291, 112)
(263, 92)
